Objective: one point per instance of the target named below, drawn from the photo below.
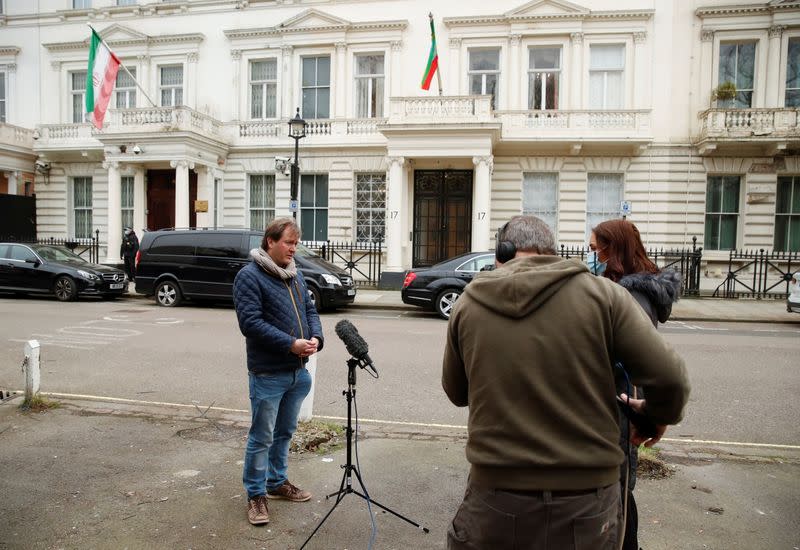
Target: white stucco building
(561, 109)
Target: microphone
(355, 344)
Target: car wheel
(65, 288)
(168, 294)
(315, 297)
(445, 302)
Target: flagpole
(439, 67)
(121, 64)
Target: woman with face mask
(617, 253)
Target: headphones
(504, 251)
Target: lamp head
(297, 126)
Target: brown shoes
(287, 491)
(257, 512)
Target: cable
(628, 453)
(363, 486)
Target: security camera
(136, 150)
(281, 159)
(42, 166)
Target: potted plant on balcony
(724, 93)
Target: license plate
(116, 286)
(351, 292)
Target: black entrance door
(442, 215)
(161, 199)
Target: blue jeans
(275, 401)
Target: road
(744, 378)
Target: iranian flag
(433, 61)
(100, 79)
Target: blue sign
(293, 206)
(625, 208)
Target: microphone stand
(346, 486)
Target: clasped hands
(305, 348)
(636, 439)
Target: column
(288, 100)
(12, 182)
(62, 106)
(481, 198)
(396, 70)
(454, 74)
(340, 84)
(143, 76)
(12, 93)
(190, 81)
(706, 69)
(205, 192)
(238, 90)
(181, 192)
(576, 75)
(114, 226)
(515, 84)
(641, 74)
(773, 98)
(139, 201)
(394, 204)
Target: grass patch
(651, 466)
(38, 404)
(316, 436)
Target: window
(370, 207)
(82, 207)
(81, 4)
(262, 200)
(2, 97)
(603, 197)
(220, 245)
(737, 63)
(20, 253)
(126, 2)
(78, 91)
(179, 244)
(263, 88)
(314, 206)
(544, 73)
(793, 73)
(722, 212)
(484, 71)
(127, 201)
(316, 87)
(540, 197)
(369, 86)
(171, 85)
(606, 70)
(787, 214)
(125, 89)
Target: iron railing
(361, 260)
(86, 248)
(758, 274)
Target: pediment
(312, 18)
(120, 33)
(538, 8)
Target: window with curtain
(606, 76)
(722, 212)
(737, 62)
(78, 92)
(81, 4)
(82, 207)
(263, 88)
(792, 97)
(125, 89)
(170, 84)
(369, 86)
(484, 73)
(2, 97)
(370, 207)
(787, 214)
(316, 87)
(314, 206)
(262, 200)
(540, 197)
(603, 197)
(126, 186)
(544, 76)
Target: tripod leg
(314, 532)
(381, 506)
(342, 490)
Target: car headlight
(331, 279)
(88, 276)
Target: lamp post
(297, 131)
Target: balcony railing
(314, 128)
(553, 124)
(162, 119)
(440, 109)
(16, 136)
(61, 133)
(778, 123)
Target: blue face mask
(595, 265)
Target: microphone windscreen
(355, 344)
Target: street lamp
(297, 131)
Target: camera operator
(530, 349)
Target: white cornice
(618, 15)
(9, 50)
(747, 9)
(131, 40)
(282, 29)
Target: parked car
(793, 301)
(50, 269)
(439, 286)
(173, 264)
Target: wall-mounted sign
(201, 206)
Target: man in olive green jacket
(530, 349)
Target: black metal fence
(758, 274)
(361, 260)
(86, 248)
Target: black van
(173, 264)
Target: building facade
(549, 107)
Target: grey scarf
(265, 261)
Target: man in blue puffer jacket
(282, 329)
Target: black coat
(130, 245)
